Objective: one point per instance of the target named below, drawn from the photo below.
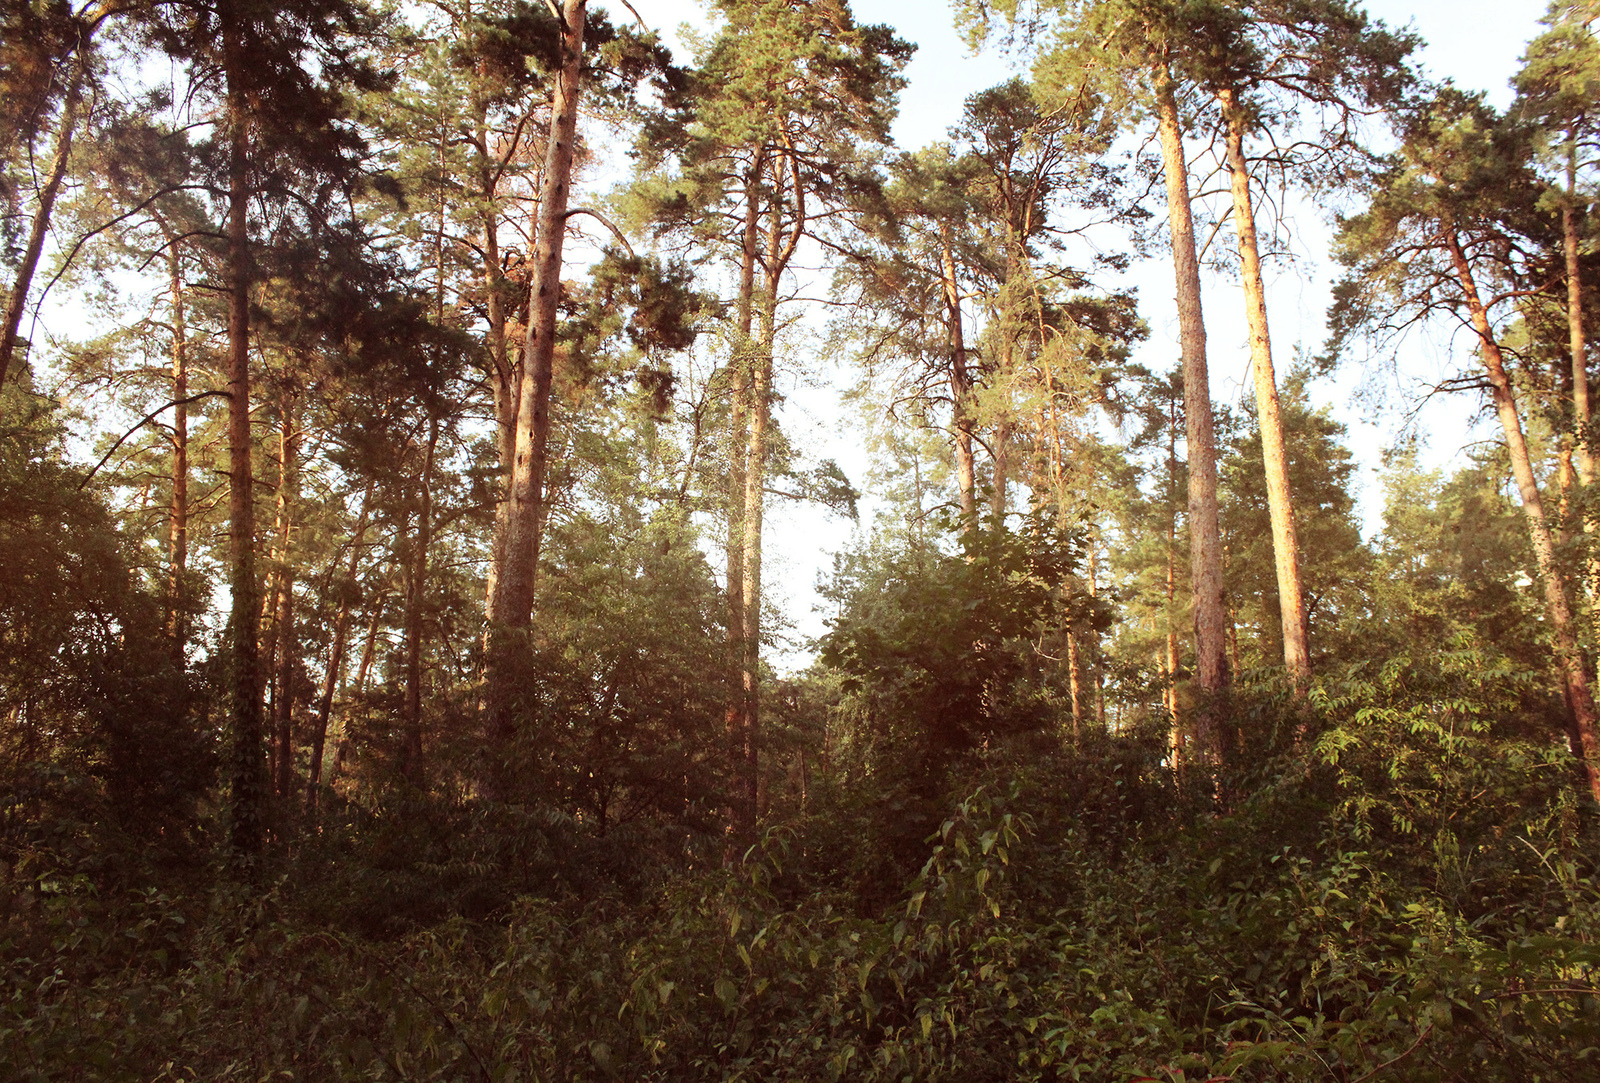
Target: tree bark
(1280, 502)
(1205, 535)
(416, 576)
(246, 771)
(513, 608)
(1002, 466)
(1569, 659)
(178, 516)
(1171, 661)
(782, 240)
(742, 816)
(330, 677)
(17, 301)
(1580, 367)
(960, 386)
(284, 630)
(368, 652)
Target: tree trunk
(178, 517)
(17, 301)
(1002, 465)
(284, 632)
(1580, 367)
(960, 387)
(513, 608)
(416, 596)
(1171, 662)
(368, 652)
(781, 243)
(1280, 503)
(503, 382)
(1569, 659)
(283, 696)
(246, 772)
(742, 816)
(330, 677)
(1075, 687)
(1205, 536)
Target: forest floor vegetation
(1403, 888)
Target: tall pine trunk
(1280, 503)
(1558, 611)
(782, 239)
(246, 770)
(1205, 535)
(512, 612)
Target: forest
(397, 402)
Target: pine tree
(789, 100)
(1433, 235)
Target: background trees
(388, 682)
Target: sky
(1476, 43)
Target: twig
(1427, 1030)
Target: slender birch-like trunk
(416, 578)
(741, 370)
(284, 635)
(364, 667)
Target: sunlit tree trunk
(1575, 330)
(1002, 467)
(1280, 502)
(785, 226)
(1211, 621)
(1558, 610)
(741, 371)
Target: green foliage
(100, 721)
(1412, 893)
(936, 640)
(1334, 563)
